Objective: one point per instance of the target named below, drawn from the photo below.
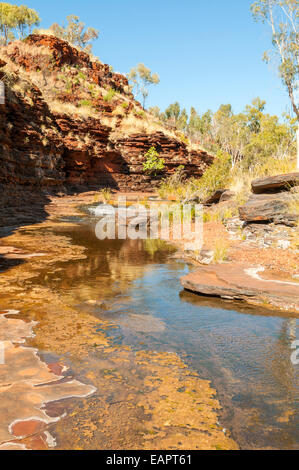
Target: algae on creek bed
(138, 403)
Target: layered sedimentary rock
(29, 165)
(60, 128)
(275, 183)
(272, 201)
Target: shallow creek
(118, 321)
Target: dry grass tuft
(27, 49)
(57, 107)
(106, 195)
(221, 248)
(46, 32)
(133, 124)
(241, 180)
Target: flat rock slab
(242, 282)
(275, 183)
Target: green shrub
(153, 164)
(82, 76)
(217, 176)
(140, 113)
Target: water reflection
(134, 286)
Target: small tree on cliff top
(75, 33)
(141, 77)
(282, 16)
(14, 19)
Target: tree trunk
(298, 147)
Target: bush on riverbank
(221, 175)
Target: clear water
(244, 351)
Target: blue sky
(206, 52)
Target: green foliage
(153, 164)
(140, 113)
(82, 76)
(109, 95)
(93, 90)
(273, 139)
(16, 19)
(176, 116)
(141, 78)
(217, 176)
(153, 246)
(183, 138)
(199, 125)
(247, 145)
(86, 103)
(247, 137)
(220, 214)
(172, 113)
(69, 85)
(254, 114)
(76, 33)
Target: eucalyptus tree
(76, 33)
(142, 78)
(282, 16)
(16, 20)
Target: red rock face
(119, 164)
(42, 152)
(62, 53)
(30, 165)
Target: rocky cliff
(69, 122)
